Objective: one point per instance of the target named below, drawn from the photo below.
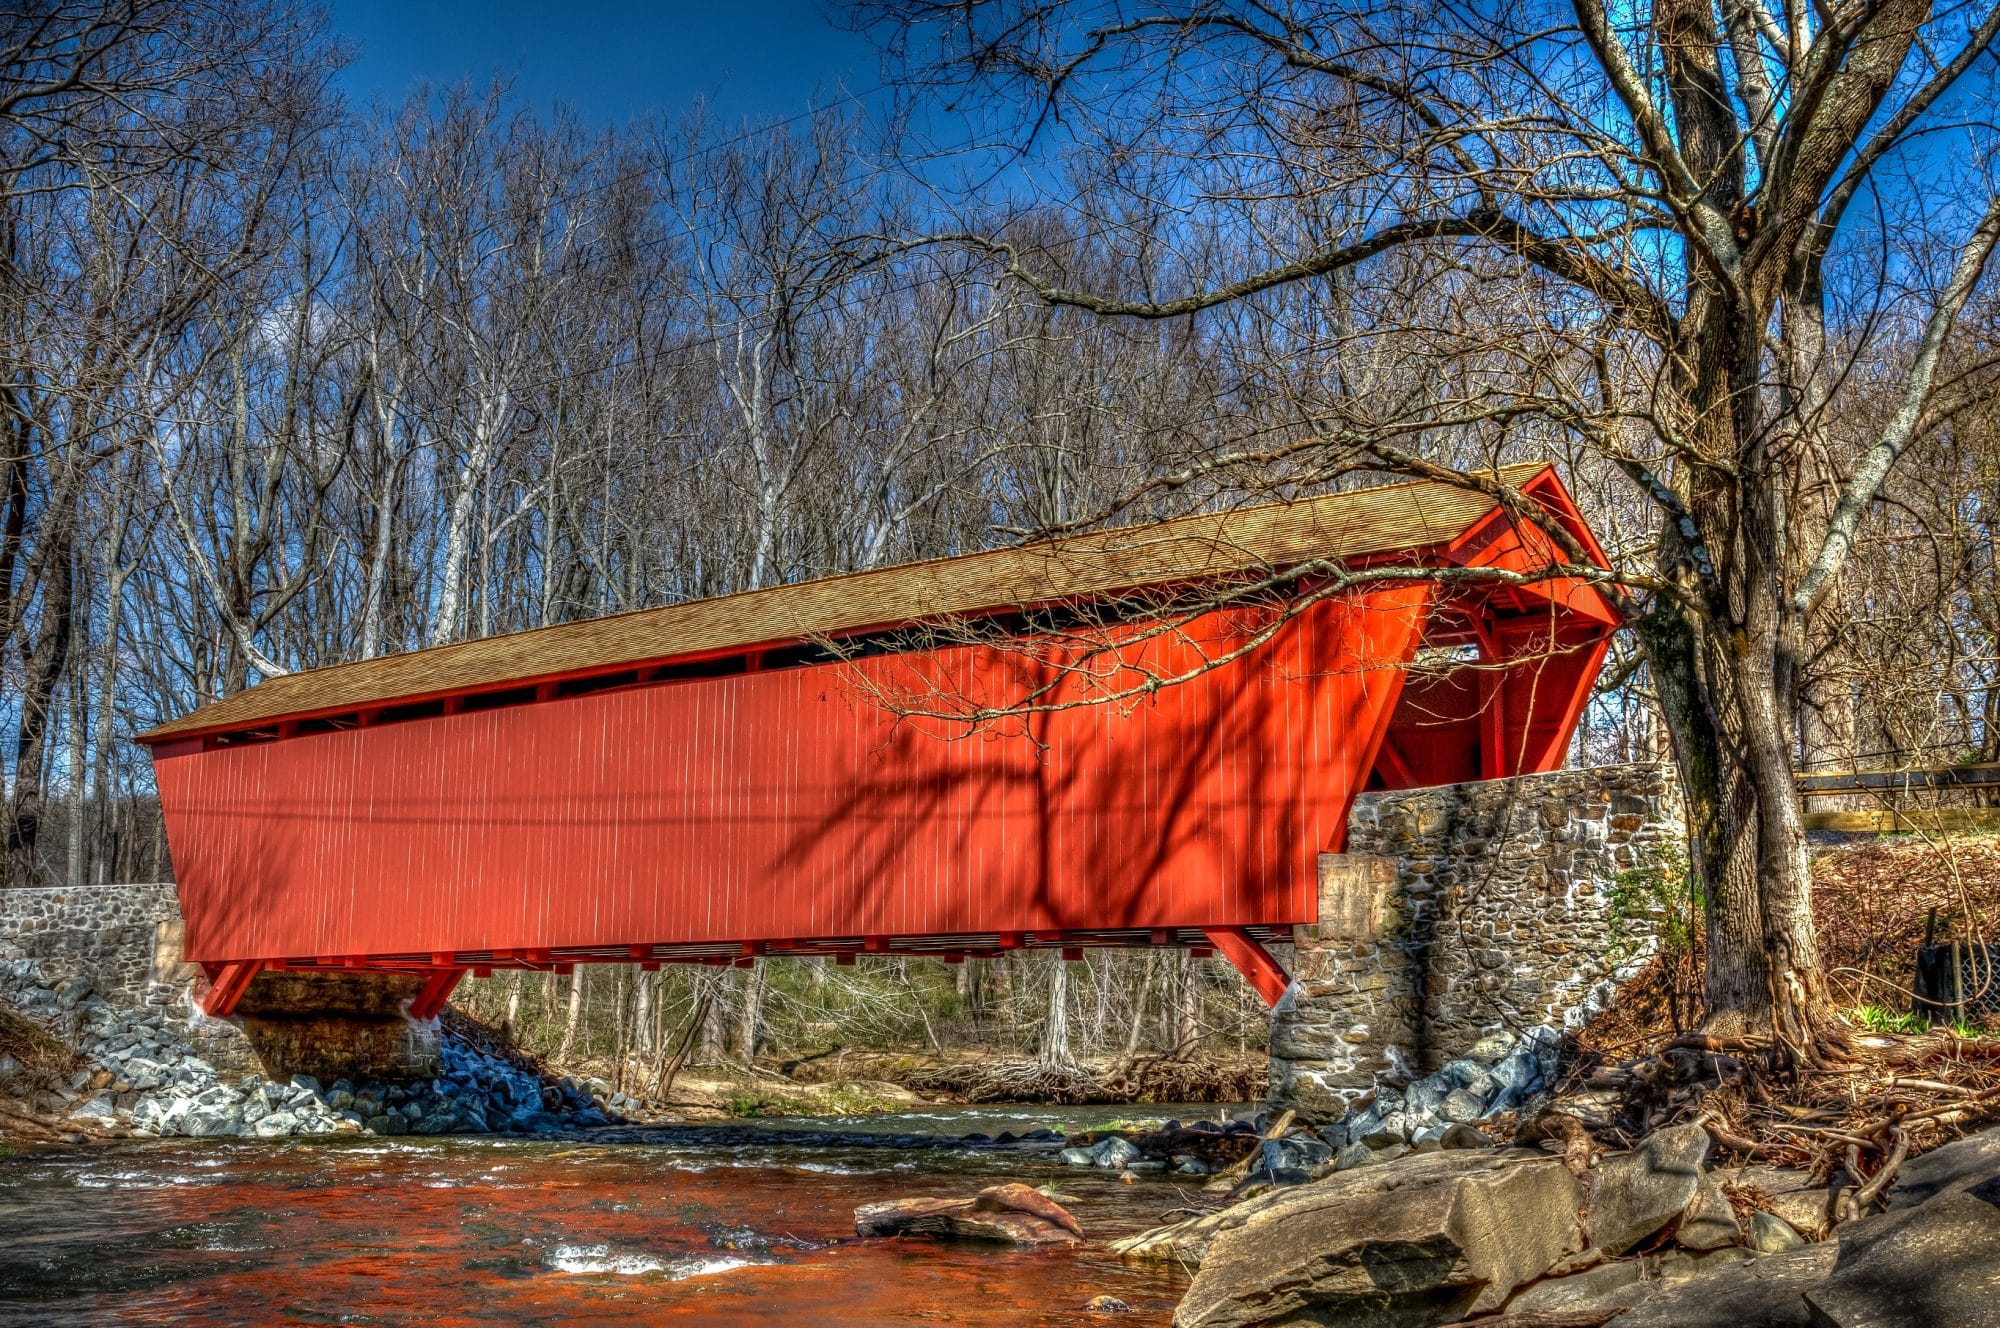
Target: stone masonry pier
(1464, 918)
(125, 941)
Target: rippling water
(681, 1227)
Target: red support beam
(430, 998)
(1390, 758)
(1493, 755)
(1252, 960)
(226, 986)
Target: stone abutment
(1469, 919)
(125, 942)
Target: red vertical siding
(788, 804)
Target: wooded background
(286, 382)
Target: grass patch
(1882, 1019)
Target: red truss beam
(1252, 960)
(226, 985)
(437, 988)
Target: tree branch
(1875, 464)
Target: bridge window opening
(602, 682)
(494, 700)
(722, 666)
(411, 710)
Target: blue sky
(611, 59)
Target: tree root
(1151, 1080)
(1890, 1098)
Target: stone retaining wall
(1464, 917)
(121, 937)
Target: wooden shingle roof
(1361, 523)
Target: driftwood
(1232, 1175)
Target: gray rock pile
(1500, 1075)
(144, 1077)
(1435, 1113)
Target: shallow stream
(722, 1226)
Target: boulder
(100, 1111)
(274, 1125)
(1185, 1242)
(1609, 1286)
(211, 1123)
(1433, 1238)
(1461, 1106)
(1771, 1234)
(1636, 1194)
(1764, 1293)
(1289, 1161)
(1937, 1264)
(1013, 1214)
(1790, 1194)
(1113, 1153)
(1710, 1221)
(1963, 1162)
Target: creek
(726, 1225)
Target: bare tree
(1667, 201)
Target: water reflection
(714, 1228)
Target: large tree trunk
(574, 1018)
(750, 1015)
(642, 1011)
(46, 664)
(1727, 714)
(1053, 1051)
(716, 988)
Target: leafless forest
(289, 382)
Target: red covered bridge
(741, 776)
